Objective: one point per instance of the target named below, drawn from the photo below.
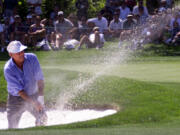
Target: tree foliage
(68, 6)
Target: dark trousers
(16, 106)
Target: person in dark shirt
(17, 29)
(9, 6)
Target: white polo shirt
(102, 24)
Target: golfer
(24, 84)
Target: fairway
(158, 71)
(144, 90)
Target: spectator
(37, 34)
(177, 19)
(7, 30)
(37, 6)
(128, 26)
(110, 6)
(9, 6)
(17, 29)
(62, 28)
(142, 15)
(95, 39)
(163, 6)
(49, 25)
(130, 4)
(175, 30)
(124, 11)
(73, 18)
(169, 3)
(82, 7)
(2, 38)
(107, 14)
(27, 24)
(100, 22)
(129, 23)
(53, 14)
(83, 26)
(31, 10)
(152, 5)
(136, 8)
(91, 25)
(115, 26)
(176, 40)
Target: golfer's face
(18, 57)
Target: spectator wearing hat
(115, 26)
(129, 23)
(128, 26)
(94, 40)
(62, 28)
(25, 85)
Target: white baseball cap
(15, 47)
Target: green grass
(145, 89)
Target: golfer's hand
(37, 106)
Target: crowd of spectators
(124, 19)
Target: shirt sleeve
(14, 85)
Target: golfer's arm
(24, 96)
(41, 87)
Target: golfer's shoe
(42, 119)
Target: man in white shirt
(100, 22)
(124, 11)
